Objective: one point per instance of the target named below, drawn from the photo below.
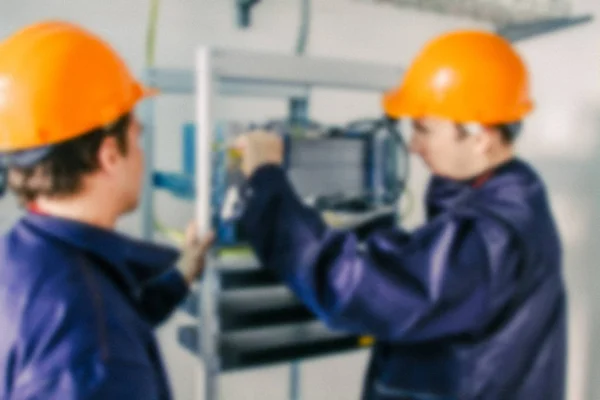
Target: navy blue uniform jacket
(77, 310)
(469, 306)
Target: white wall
(560, 138)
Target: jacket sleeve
(119, 381)
(160, 295)
(71, 347)
(161, 287)
(428, 284)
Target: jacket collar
(444, 194)
(133, 261)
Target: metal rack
(514, 19)
(245, 316)
(497, 12)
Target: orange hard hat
(59, 81)
(464, 76)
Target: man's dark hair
(508, 132)
(60, 173)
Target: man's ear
(485, 139)
(109, 154)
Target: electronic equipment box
(349, 173)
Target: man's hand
(258, 149)
(194, 253)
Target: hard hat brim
(24, 158)
(394, 105)
(29, 157)
(397, 105)
(146, 91)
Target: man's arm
(161, 285)
(159, 296)
(72, 347)
(166, 274)
(114, 380)
(432, 283)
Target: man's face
(445, 149)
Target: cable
(304, 30)
(391, 127)
(173, 235)
(151, 32)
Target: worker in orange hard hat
(470, 305)
(78, 301)
(469, 82)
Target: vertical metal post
(147, 201)
(298, 114)
(189, 150)
(295, 380)
(244, 10)
(298, 110)
(204, 139)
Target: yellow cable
(177, 237)
(365, 341)
(151, 33)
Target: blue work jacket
(78, 306)
(469, 306)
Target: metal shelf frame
(275, 75)
(221, 73)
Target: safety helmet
(464, 76)
(58, 81)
